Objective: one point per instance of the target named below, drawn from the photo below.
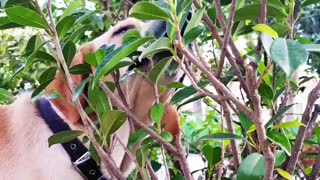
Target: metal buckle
(82, 159)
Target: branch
(219, 14)
(227, 33)
(315, 170)
(182, 158)
(306, 117)
(263, 12)
(153, 175)
(135, 119)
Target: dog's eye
(122, 30)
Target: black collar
(77, 152)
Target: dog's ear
(64, 104)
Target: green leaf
(167, 136)
(63, 137)
(78, 91)
(290, 124)
(221, 136)
(266, 42)
(245, 121)
(5, 96)
(41, 87)
(195, 20)
(212, 154)
(80, 69)
(148, 11)
(317, 133)
(136, 137)
(175, 85)
(98, 100)
(50, 73)
(276, 116)
(94, 154)
(6, 23)
(291, 56)
(69, 50)
(160, 45)
(252, 167)
(159, 69)
(111, 121)
(65, 25)
(130, 35)
(72, 6)
(266, 29)
(280, 140)
(279, 157)
(251, 12)
(25, 17)
(186, 93)
(94, 58)
(284, 174)
(156, 113)
(116, 56)
(192, 34)
(78, 33)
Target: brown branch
(219, 168)
(219, 14)
(306, 117)
(181, 153)
(259, 81)
(263, 12)
(135, 119)
(315, 174)
(259, 123)
(227, 34)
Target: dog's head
(139, 88)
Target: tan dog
(24, 152)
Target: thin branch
(263, 12)
(259, 81)
(219, 14)
(182, 158)
(315, 174)
(117, 102)
(227, 34)
(306, 117)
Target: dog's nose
(156, 28)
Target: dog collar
(78, 153)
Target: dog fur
(24, 151)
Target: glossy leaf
(65, 25)
(159, 69)
(111, 121)
(167, 136)
(72, 6)
(63, 137)
(80, 69)
(281, 140)
(212, 154)
(148, 11)
(175, 85)
(78, 91)
(98, 100)
(195, 20)
(6, 23)
(156, 113)
(279, 157)
(291, 56)
(160, 45)
(290, 124)
(130, 35)
(186, 93)
(266, 29)
(245, 121)
(116, 56)
(252, 167)
(69, 50)
(94, 58)
(78, 33)
(284, 174)
(251, 12)
(317, 133)
(25, 17)
(94, 154)
(50, 73)
(41, 87)
(136, 137)
(192, 34)
(221, 136)
(309, 2)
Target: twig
(219, 14)
(258, 121)
(182, 158)
(263, 12)
(227, 33)
(135, 119)
(259, 81)
(306, 117)
(219, 167)
(315, 170)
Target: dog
(24, 133)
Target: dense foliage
(255, 54)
